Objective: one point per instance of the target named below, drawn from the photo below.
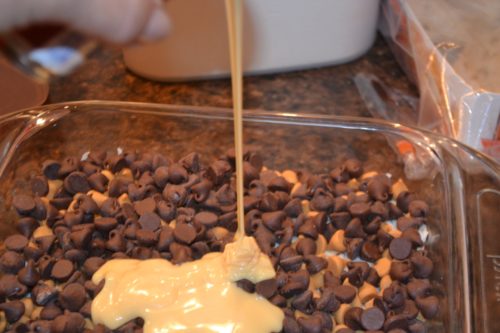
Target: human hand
(117, 21)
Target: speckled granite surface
(328, 90)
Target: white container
(279, 35)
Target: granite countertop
(327, 90)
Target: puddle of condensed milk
(199, 296)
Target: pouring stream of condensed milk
(199, 296)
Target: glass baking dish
(461, 185)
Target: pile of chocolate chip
(348, 252)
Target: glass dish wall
(461, 185)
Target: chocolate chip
(339, 174)
(373, 278)
(306, 246)
(42, 294)
(290, 325)
(105, 223)
(218, 171)
(24, 204)
(96, 157)
(418, 208)
(315, 264)
(137, 191)
(92, 264)
(26, 226)
(373, 226)
(355, 229)
(264, 238)
(61, 202)
(273, 220)
(207, 219)
(13, 310)
(117, 186)
(93, 289)
(293, 208)
(69, 322)
(269, 202)
(353, 167)
(422, 265)
(177, 174)
(166, 238)
(417, 327)
(401, 270)
(372, 319)
(166, 210)
(39, 186)
(394, 296)
(410, 309)
(62, 270)
(150, 221)
(340, 219)
(322, 200)
(310, 324)
(400, 248)
(418, 288)
(11, 262)
(359, 209)
(266, 288)
(356, 275)
(383, 239)
(428, 306)
(297, 283)
(184, 233)
(413, 236)
(72, 297)
(291, 264)
(309, 229)
(16, 242)
(345, 330)
(115, 163)
(76, 182)
(75, 255)
(50, 169)
(45, 265)
(327, 302)
(146, 237)
(353, 246)
(98, 182)
(303, 301)
(86, 310)
(180, 253)
(116, 242)
(73, 218)
(398, 321)
(246, 285)
(147, 205)
(50, 312)
(352, 318)
(81, 238)
(403, 200)
(379, 189)
(176, 194)
(29, 274)
(279, 183)
(345, 293)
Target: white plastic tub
(279, 35)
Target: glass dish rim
(260, 116)
(42, 116)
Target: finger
(119, 21)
